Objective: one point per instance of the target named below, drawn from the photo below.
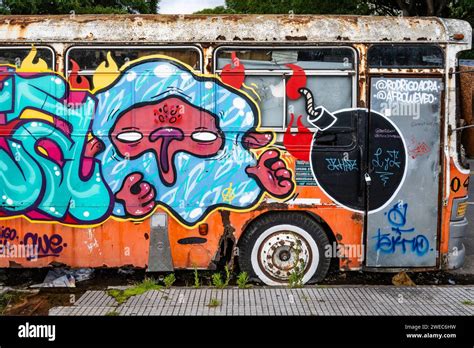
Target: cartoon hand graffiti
(155, 135)
(186, 140)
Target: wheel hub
(282, 252)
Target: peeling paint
(197, 28)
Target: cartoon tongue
(168, 135)
(257, 140)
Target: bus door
(403, 171)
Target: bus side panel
(111, 244)
(454, 223)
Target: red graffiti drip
(233, 74)
(75, 80)
(295, 82)
(298, 144)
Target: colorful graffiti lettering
(391, 241)
(150, 134)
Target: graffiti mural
(150, 134)
(154, 133)
(47, 165)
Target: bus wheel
(279, 244)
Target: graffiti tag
(344, 164)
(45, 245)
(417, 149)
(407, 91)
(384, 164)
(398, 238)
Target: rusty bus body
(181, 142)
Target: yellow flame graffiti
(106, 73)
(28, 64)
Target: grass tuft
(122, 296)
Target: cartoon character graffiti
(156, 134)
(181, 140)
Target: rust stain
(296, 38)
(227, 239)
(273, 205)
(357, 217)
(287, 27)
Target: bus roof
(232, 28)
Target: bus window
(405, 56)
(86, 59)
(277, 58)
(334, 92)
(14, 55)
(330, 76)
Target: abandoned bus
(273, 143)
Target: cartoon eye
(203, 136)
(129, 137)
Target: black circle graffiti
(350, 151)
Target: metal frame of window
(28, 47)
(124, 47)
(375, 45)
(287, 72)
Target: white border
(284, 227)
(404, 172)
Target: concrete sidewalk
(363, 300)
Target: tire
(267, 250)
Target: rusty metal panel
(203, 28)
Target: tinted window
(332, 90)
(15, 56)
(405, 56)
(271, 59)
(89, 59)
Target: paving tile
(327, 301)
